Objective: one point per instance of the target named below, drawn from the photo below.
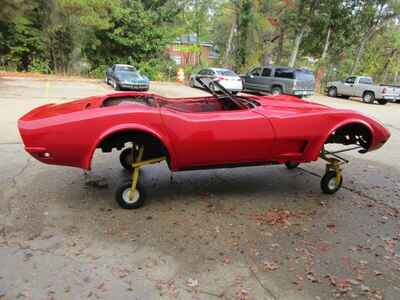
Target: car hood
(289, 105)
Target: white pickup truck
(361, 86)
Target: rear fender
(86, 164)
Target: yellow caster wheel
(330, 183)
(128, 200)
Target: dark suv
(280, 80)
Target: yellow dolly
(131, 195)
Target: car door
(201, 73)
(347, 88)
(113, 72)
(218, 137)
(207, 76)
(251, 79)
(362, 84)
(266, 79)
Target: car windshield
(304, 75)
(125, 69)
(128, 75)
(226, 73)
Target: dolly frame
(137, 164)
(335, 162)
(330, 182)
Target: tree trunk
(360, 49)
(386, 66)
(267, 57)
(297, 43)
(229, 44)
(327, 43)
(279, 53)
(243, 28)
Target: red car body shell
(278, 129)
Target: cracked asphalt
(247, 233)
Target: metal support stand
(136, 168)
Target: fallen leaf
(331, 226)
(192, 282)
(270, 266)
(312, 278)
(364, 288)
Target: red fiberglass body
(194, 132)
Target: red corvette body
(195, 133)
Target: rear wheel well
(371, 92)
(276, 86)
(153, 146)
(352, 134)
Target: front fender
(315, 151)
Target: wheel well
(153, 146)
(372, 92)
(352, 134)
(277, 85)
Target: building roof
(191, 39)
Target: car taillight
(384, 90)
(221, 78)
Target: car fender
(86, 164)
(314, 152)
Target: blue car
(126, 77)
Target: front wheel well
(352, 134)
(153, 146)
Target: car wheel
(332, 92)
(276, 90)
(291, 165)
(122, 196)
(116, 86)
(368, 97)
(382, 101)
(329, 184)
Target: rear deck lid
(51, 110)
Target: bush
(159, 69)
(39, 66)
(98, 72)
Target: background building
(187, 50)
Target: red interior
(193, 104)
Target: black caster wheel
(329, 184)
(123, 199)
(126, 159)
(291, 165)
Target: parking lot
(246, 233)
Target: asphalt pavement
(246, 233)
